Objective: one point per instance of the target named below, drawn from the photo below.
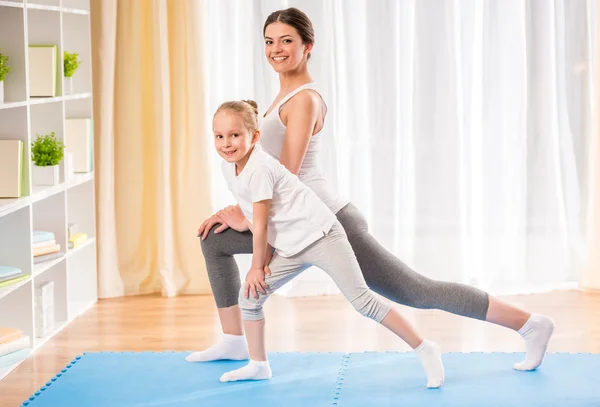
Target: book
(8, 334)
(20, 343)
(78, 140)
(3, 279)
(43, 70)
(14, 357)
(48, 257)
(11, 168)
(43, 243)
(40, 251)
(9, 271)
(42, 236)
(14, 280)
(77, 240)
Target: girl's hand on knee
(255, 282)
(209, 223)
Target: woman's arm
(300, 115)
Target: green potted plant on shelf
(71, 63)
(46, 154)
(4, 69)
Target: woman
(291, 132)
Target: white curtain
(460, 128)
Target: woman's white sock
(231, 347)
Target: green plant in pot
(71, 63)
(4, 69)
(46, 153)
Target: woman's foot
(254, 370)
(231, 347)
(537, 332)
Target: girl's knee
(369, 306)
(251, 308)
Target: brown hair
(247, 108)
(294, 18)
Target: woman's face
(284, 48)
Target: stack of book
(11, 275)
(45, 247)
(14, 346)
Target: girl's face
(233, 141)
(284, 48)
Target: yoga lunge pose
(286, 216)
(291, 133)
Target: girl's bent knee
(370, 307)
(251, 308)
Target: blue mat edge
(339, 380)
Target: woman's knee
(213, 242)
(352, 220)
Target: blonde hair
(247, 108)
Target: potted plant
(71, 63)
(4, 69)
(46, 154)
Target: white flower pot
(1, 91)
(46, 176)
(68, 85)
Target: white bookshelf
(66, 24)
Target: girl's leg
(336, 257)
(282, 271)
(224, 277)
(390, 277)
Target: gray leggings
(333, 254)
(384, 273)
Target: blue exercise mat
(472, 379)
(165, 379)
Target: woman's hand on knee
(209, 223)
(255, 282)
(234, 217)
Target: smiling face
(233, 140)
(284, 47)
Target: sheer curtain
(150, 167)
(461, 129)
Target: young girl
(285, 214)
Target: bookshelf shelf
(63, 209)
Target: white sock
(536, 332)
(254, 370)
(231, 347)
(431, 358)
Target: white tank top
(272, 132)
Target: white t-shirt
(297, 217)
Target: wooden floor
(307, 324)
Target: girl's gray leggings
(384, 273)
(333, 254)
